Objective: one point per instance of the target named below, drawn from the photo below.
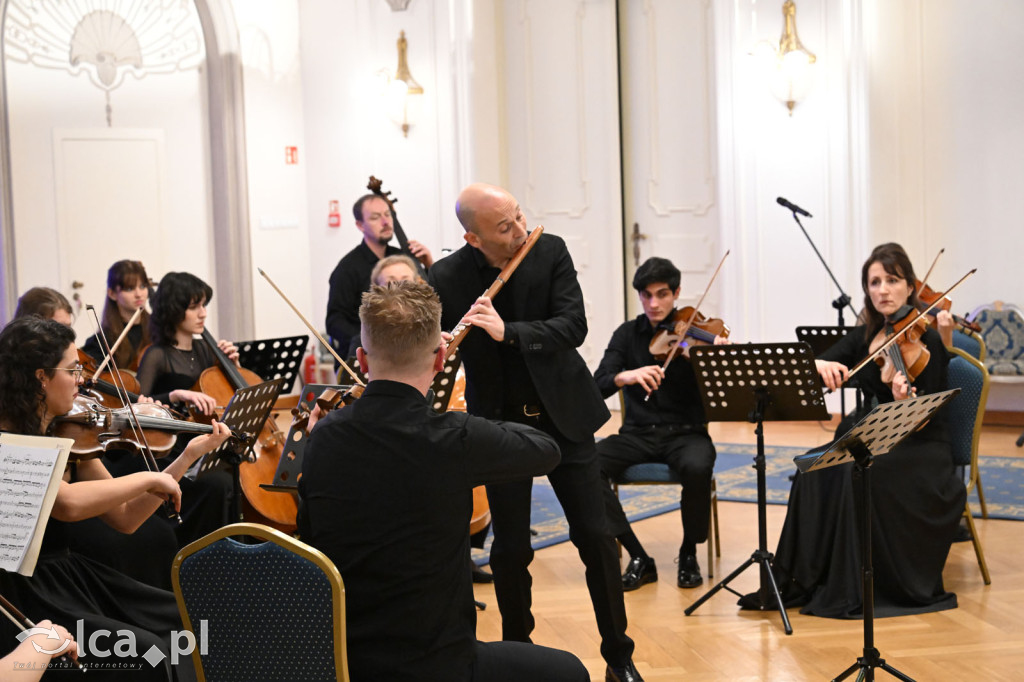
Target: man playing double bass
(668, 427)
(351, 277)
(522, 365)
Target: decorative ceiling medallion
(105, 39)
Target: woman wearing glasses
(39, 379)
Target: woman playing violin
(127, 291)
(917, 496)
(39, 379)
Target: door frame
(232, 254)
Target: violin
(96, 428)
(928, 296)
(673, 331)
(104, 387)
(909, 355)
(220, 382)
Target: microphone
(793, 207)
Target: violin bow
(461, 329)
(693, 315)
(312, 330)
(147, 453)
(20, 621)
(117, 343)
(895, 337)
(929, 273)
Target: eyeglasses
(76, 370)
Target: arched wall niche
(225, 117)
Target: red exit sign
(291, 155)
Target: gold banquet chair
(966, 412)
(272, 611)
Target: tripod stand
(758, 383)
(878, 433)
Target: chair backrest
(970, 342)
(967, 410)
(1002, 329)
(272, 611)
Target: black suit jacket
(547, 324)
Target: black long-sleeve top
(677, 400)
(350, 278)
(386, 494)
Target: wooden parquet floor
(983, 639)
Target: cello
(220, 382)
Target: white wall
(279, 220)
(343, 46)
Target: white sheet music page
(30, 472)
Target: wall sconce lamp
(790, 77)
(402, 104)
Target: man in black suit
(522, 365)
(386, 494)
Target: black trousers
(515, 662)
(577, 484)
(690, 454)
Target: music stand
(275, 358)
(444, 382)
(289, 467)
(246, 412)
(758, 382)
(878, 433)
(820, 339)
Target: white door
(668, 159)
(110, 193)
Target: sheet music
(30, 471)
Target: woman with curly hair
(39, 379)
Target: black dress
(67, 587)
(917, 500)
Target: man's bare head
(493, 221)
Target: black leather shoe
(689, 572)
(481, 576)
(639, 572)
(626, 674)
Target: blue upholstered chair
(970, 342)
(1002, 328)
(273, 610)
(966, 412)
(651, 473)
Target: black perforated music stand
(878, 433)
(246, 412)
(820, 339)
(275, 358)
(444, 382)
(758, 382)
(289, 467)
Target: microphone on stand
(793, 207)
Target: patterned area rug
(1002, 479)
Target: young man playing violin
(663, 421)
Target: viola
(928, 296)
(673, 331)
(220, 382)
(96, 428)
(104, 387)
(909, 355)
